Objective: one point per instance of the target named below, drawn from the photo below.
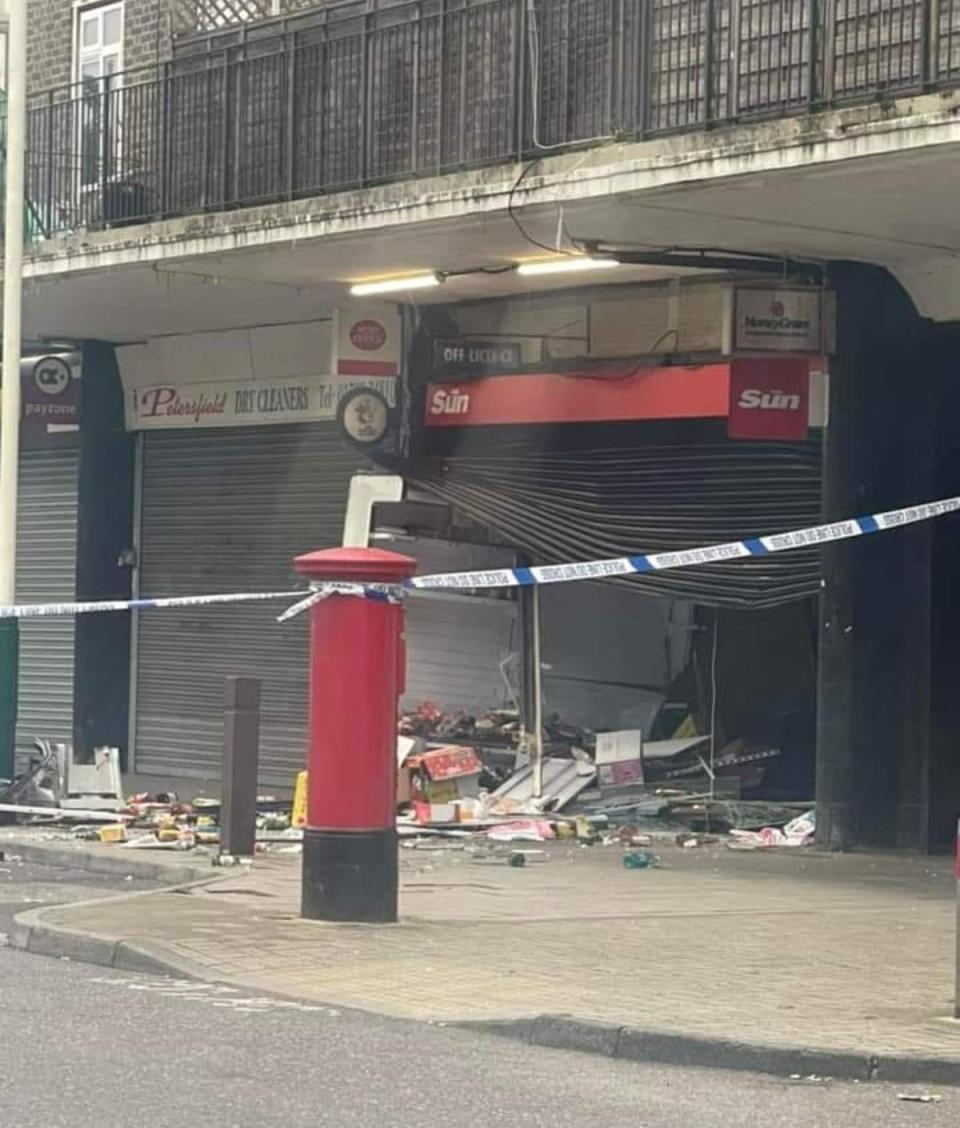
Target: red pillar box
(356, 678)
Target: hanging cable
(713, 702)
(533, 55)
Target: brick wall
(50, 30)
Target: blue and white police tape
(690, 557)
(811, 536)
(379, 593)
(45, 610)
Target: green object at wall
(32, 227)
(9, 664)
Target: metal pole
(537, 747)
(241, 754)
(10, 395)
(956, 1001)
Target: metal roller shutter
(227, 510)
(456, 643)
(586, 492)
(46, 573)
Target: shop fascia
(359, 348)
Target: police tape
(379, 593)
(45, 610)
(811, 537)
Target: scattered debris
(640, 859)
(445, 775)
(522, 830)
(619, 758)
(462, 779)
(563, 780)
(492, 855)
(689, 841)
(798, 832)
(633, 836)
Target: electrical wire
(533, 54)
(512, 212)
(713, 701)
(639, 367)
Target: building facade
(207, 181)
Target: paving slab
(800, 956)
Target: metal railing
(358, 96)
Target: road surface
(88, 1048)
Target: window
(98, 61)
(99, 50)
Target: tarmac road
(91, 1048)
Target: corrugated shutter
(46, 573)
(588, 492)
(456, 643)
(227, 510)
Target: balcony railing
(361, 97)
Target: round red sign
(368, 335)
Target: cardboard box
(622, 744)
(408, 763)
(623, 773)
(619, 758)
(435, 812)
(446, 774)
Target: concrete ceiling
(896, 210)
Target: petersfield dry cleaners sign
(244, 403)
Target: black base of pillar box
(349, 875)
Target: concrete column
(874, 653)
(104, 532)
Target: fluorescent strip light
(395, 285)
(569, 263)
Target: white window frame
(81, 55)
(99, 54)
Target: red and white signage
(762, 398)
(769, 399)
(582, 397)
(367, 341)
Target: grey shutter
(456, 642)
(593, 491)
(46, 573)
(227, 510)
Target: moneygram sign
(778, 320)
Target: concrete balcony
(803, 127)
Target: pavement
(27, 884)
(91, 1048)
(787, 962)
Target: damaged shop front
(241, 466)
(604, 423)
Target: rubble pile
(461, 777)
